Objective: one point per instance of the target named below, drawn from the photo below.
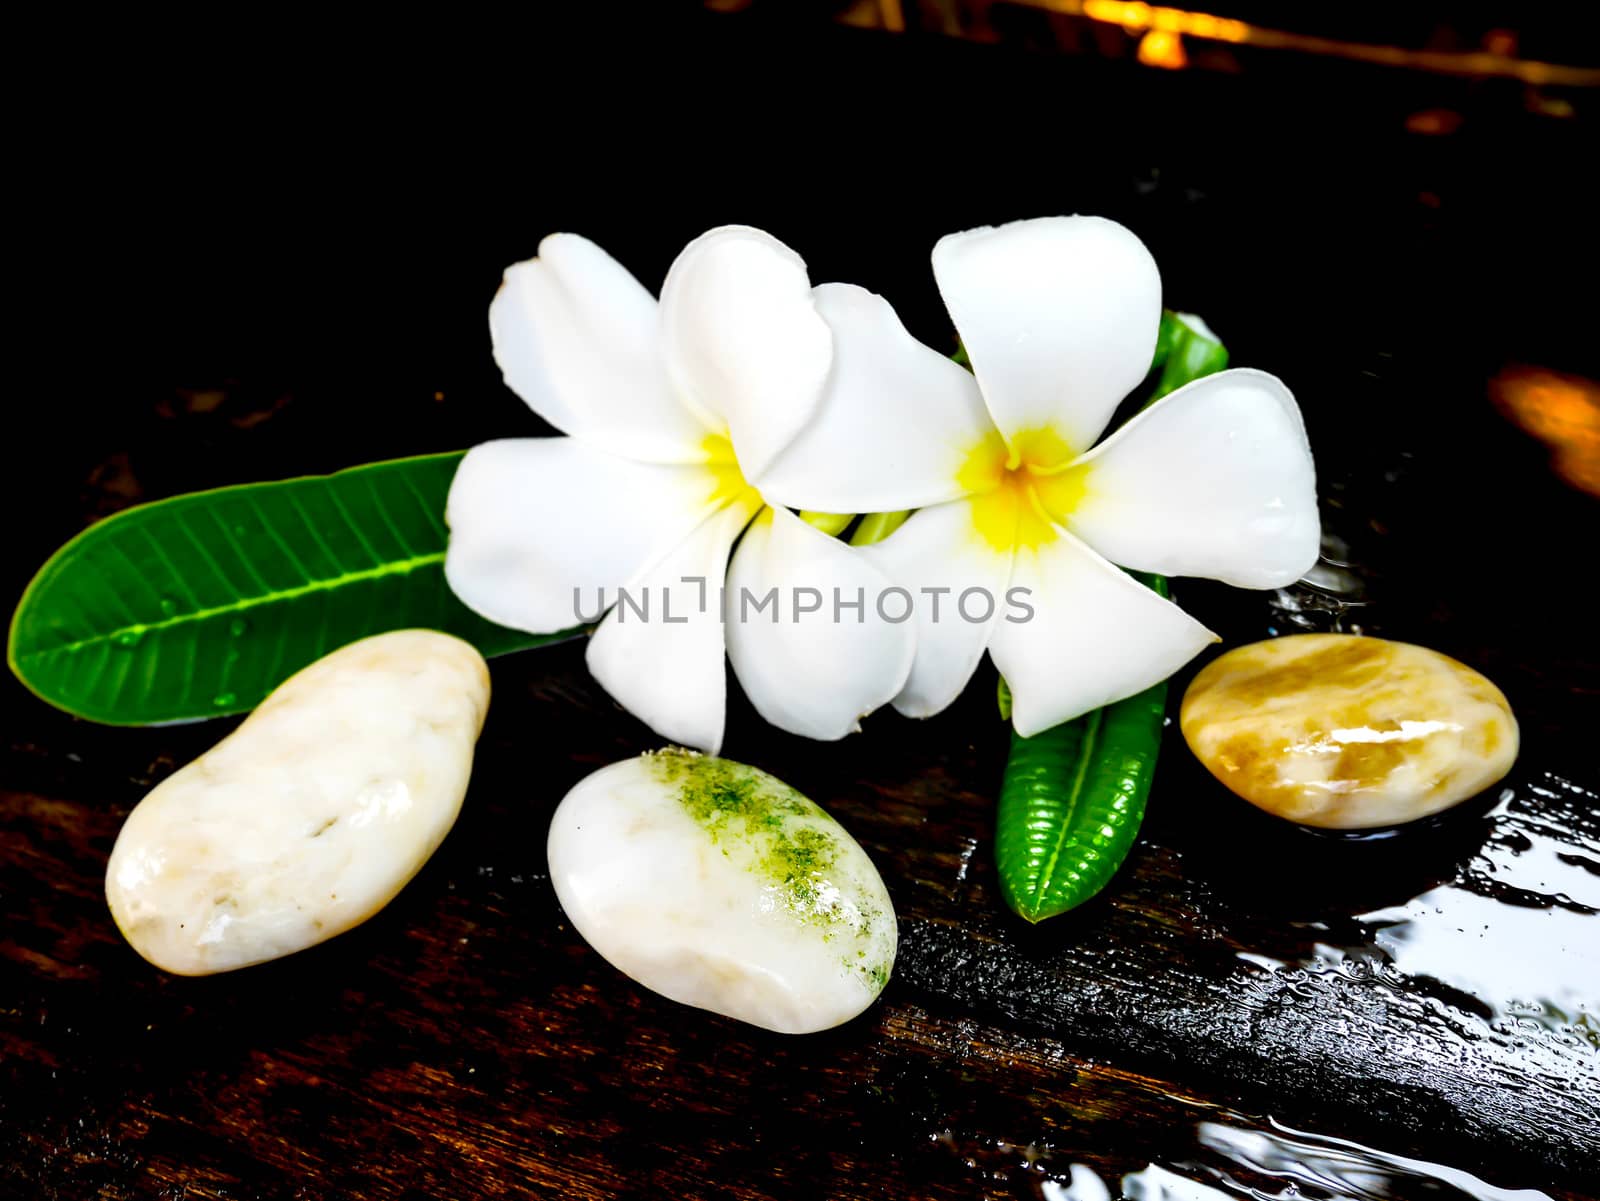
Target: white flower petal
(813, 672)
(1096, 636)
(937, 556)
(896, 423)
(1059, 316)
(534, 521)
(576, 337)
(1215, 480)
(661, 656)
(743, 342)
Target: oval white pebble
(311, 816)
(720, 886)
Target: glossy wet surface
(1429, 996)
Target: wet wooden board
(465, 1043)
(1432, 997)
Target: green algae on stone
(790, 838)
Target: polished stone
(311, 816)
(1346, 732)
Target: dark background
(268, 250)
(318, 216)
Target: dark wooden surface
(302, 288)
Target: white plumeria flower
(1059, 317)
(674, 411)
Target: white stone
(720, 886)
(311, 816)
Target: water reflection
(1513, 932)
(1509, 941)
(1316, 1165)
(1283, 1164)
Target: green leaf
(1071, 804)
(201, 605)
(1186, 349)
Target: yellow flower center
(728, 482)
(1021, 492)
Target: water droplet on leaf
(168, 606)
(238, 627)
(129, 638)
(224, 699)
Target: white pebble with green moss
(719, 886)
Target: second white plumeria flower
(675, 412)
(1059, 317)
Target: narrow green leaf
(200, 605)
(1071, 804)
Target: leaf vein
(1091, 736)
(435, 519)
(245, 604)
(355, 526)
(383, 512)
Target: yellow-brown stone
(1346, 732)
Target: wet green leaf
(200, 605)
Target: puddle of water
(1513, 940)
(1315, 1165)
(1516, 929)
(1282, 1164)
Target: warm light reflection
(971, 18)
(1562, 411)
(1434, 122)
(1500, 41)
(1496, 58)
(1136, 16)
(1158, 48)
